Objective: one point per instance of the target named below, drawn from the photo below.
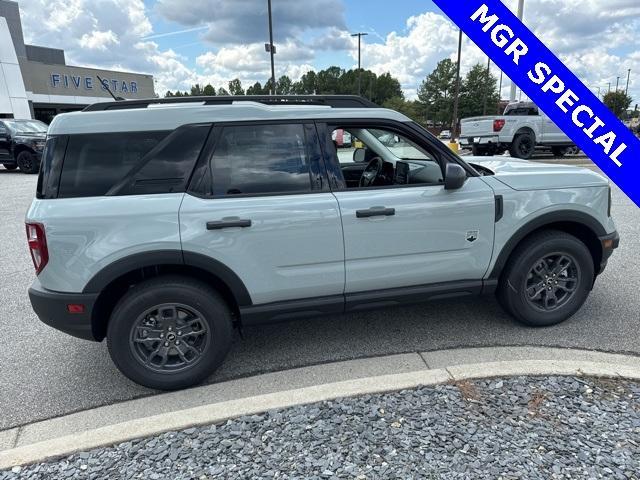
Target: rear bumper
(487, 140)
(609, 243)
(51, 309)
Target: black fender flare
(558, 216)
(170, 257)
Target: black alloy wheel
(552, 281)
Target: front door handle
(220, 224)
(376, 212)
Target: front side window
(260, 159)
(380, 157)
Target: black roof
(335, 101)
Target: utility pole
(359, 35)
(487, 88)
(500, 92)
(617, 83)
(454, 128)
(272, 50)
(520, 17)
(626, 90)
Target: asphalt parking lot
(44, 373)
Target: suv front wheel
(547, 279)
(169, 332)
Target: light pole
(512, 97)
(500, 93)
(617, 83)
(487, 88)
(272, 50)
(359, 35)
(454, 127)
(626, 90)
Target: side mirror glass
(359, 155)
(455, 176)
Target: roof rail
(335, 101)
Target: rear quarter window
(94, 163)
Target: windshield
(26, 126)
(399, 146)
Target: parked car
(521, 130)
(21, 144)
(445, 135)
(342, 138)
(162, 229)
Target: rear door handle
(376, 212)
(220, 224)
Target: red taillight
(498, 125)
(75, 308)
(37, 245)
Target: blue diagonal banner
(552, 86)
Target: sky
(184, 42)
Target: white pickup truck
(520, 130)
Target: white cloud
(105, 34)
(99, 40)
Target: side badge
(472, 235)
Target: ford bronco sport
(161, 225)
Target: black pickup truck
(21, 144)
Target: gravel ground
(556, 427)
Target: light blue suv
(163, 224)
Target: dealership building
(36, 82)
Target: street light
(520, 16)
(626, 90)
(270, 47)
(359, 35)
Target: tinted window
(94, 163)
(260, 159)
(168, 166)
(3, 129)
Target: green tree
(223, 91)
(196, 91)
(328, 81)
(168, 94)
(307, 85)
(255, 89)
(618, 102)
(437, 91)
(478, 93)
(209, 90)
(235, 87)
(411, 109)
(284, 85)
(386, 87)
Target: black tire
(513, 294)
(476, 151)
(523, 146)
(558, 151)
(28, 162)
(212, 314)
(10, 167)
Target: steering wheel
(371, 172)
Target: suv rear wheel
(27, 162)
(169, 332)
(547, 279)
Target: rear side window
(94, 163)
(261, 159)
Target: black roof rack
(335, 101)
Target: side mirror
(359, 155)
(454, 177)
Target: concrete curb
(451, 366)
